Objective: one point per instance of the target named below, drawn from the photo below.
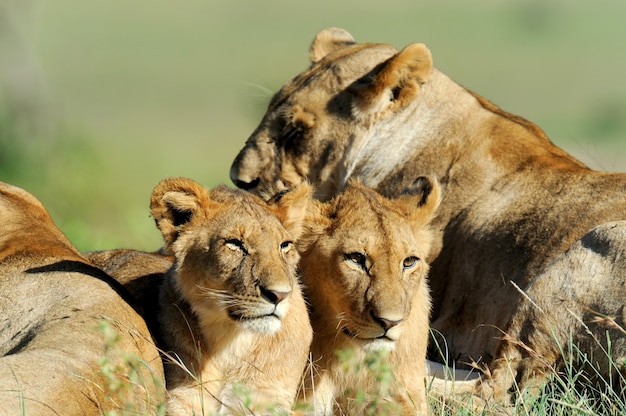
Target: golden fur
(362, 263)
(231, 317)
(512, 201)
(52, 302)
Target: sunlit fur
(513, 202)
(53, 357)
(232, 317)
(257, 315)
(352, 255)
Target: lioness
(53, 359)
(230, 312)
(512, 201)
(364, 272)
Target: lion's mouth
(239, 316)
(261, 324)
(351, 335)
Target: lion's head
(235, 254)
(223, 295)
(363, 261)
(320, 120)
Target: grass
(123, 374)
(577, 386)
(375, 366)
(571, 392)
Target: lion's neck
(450, 134)
(430, 122)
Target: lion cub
(232, 314)
(364, 272)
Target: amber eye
(409, 263)
(356, 258)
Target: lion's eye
(285, 246)
(409, 263)
(356, 258)
(288, 133)
(236, 244)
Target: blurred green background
(101, 99)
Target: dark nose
(273, 296)
(246, 185)
(387, 324)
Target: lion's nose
(273, 296)
(387, 324)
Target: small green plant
(123, 374)
(375, 367)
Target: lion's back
(65, 324)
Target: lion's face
(235, 255)
(322, 118)
(363, 262)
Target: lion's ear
(421, 200)
(316, 222)
(327, 41)
(395, 83)
(290, 207)
(173, 204)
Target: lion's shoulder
(127, 265)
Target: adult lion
(53, 358)
(512, 201)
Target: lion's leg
(526, 356)
(411, 402)
(565, 315)
(510, 376)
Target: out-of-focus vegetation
(101, 99)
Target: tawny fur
(228, 247)
(364, 271)
(53, 300)
(513, 202)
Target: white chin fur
(265, 325)
(378, 345)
